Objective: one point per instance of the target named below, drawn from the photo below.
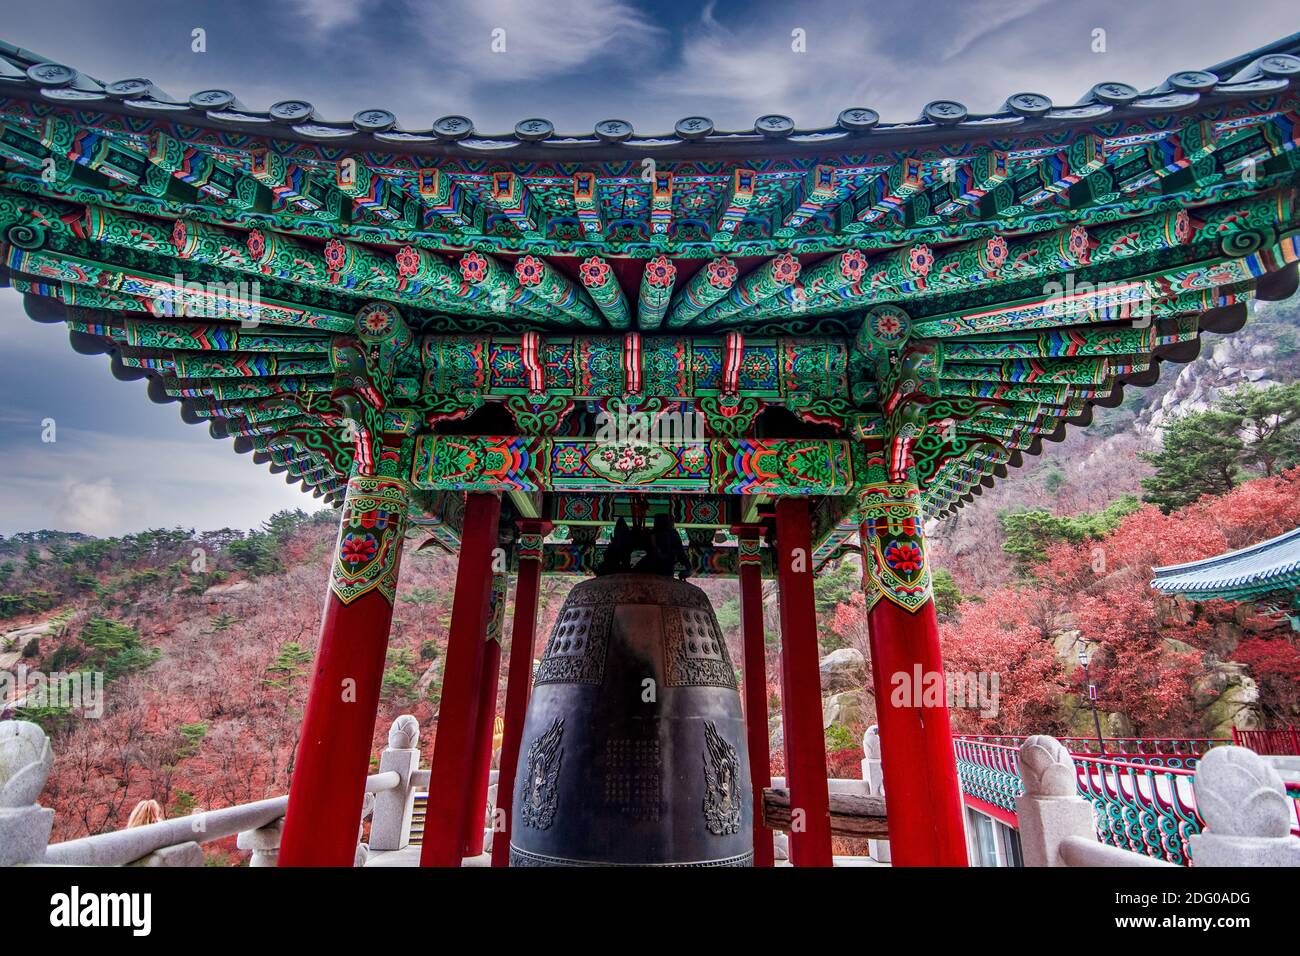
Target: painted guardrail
(1143, 805)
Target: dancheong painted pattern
(820, 312)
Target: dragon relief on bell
(721, 794)
(541, 796)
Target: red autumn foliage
(1275, 664)
(1148, 652)
(995, 636)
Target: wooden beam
(852, 815)
(727, 466)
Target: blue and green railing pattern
(1179, 753)
(1143, 791)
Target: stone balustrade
(1240, 796)
(25, 826)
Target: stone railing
(1241, 802)
(26, 758)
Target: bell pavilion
(789, 343)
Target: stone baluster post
(25, 761)
(363, 849)
(390, 826)
(874, 778)
(1050, 809)
(1246, 810)
(264, 842)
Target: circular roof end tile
(858, 119)
(291, 111)
(453, 128)
(51, 74)
(1279, 66)
(1031, 105)
(1193, 81)
(212, 99)
(127, 89)
(1114, 94)
(774, 126)
(374, 121)
(613, 130)
(693, 127)
(534, 130)
(944, 112)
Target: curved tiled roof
(1272, 565)
(1261, 72)
(1164, 214)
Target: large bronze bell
(633, 749)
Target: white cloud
(326, 16)
(140, 482)
(540, 39)
(972, 23)
(92, 507)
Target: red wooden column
(450, 771)
(801, 692)
(755, 674)
(519, 678)
(490, 676)
(922, 791)
(333, 759)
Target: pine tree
(1248, 432)
(1200, 456)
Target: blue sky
(121, 463)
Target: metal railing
(1278, 743)
(989, 771)
(1174, 752)
(1142, 806)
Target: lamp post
(1092, 695)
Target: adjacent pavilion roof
(935, 296)
(1268, 567)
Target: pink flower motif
(472, 267)
(920, 258)
(904, 556)
(408, 261)
(1182, 227)
(995, 250)
(358, 548)
(660, 272)
(178, 234)
(722, 273)
(852, 264)
(1079, 244)
(256, 244)
(693, 459)
(335, 255)
(528, 270)
(594, 271)
(785, 269)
